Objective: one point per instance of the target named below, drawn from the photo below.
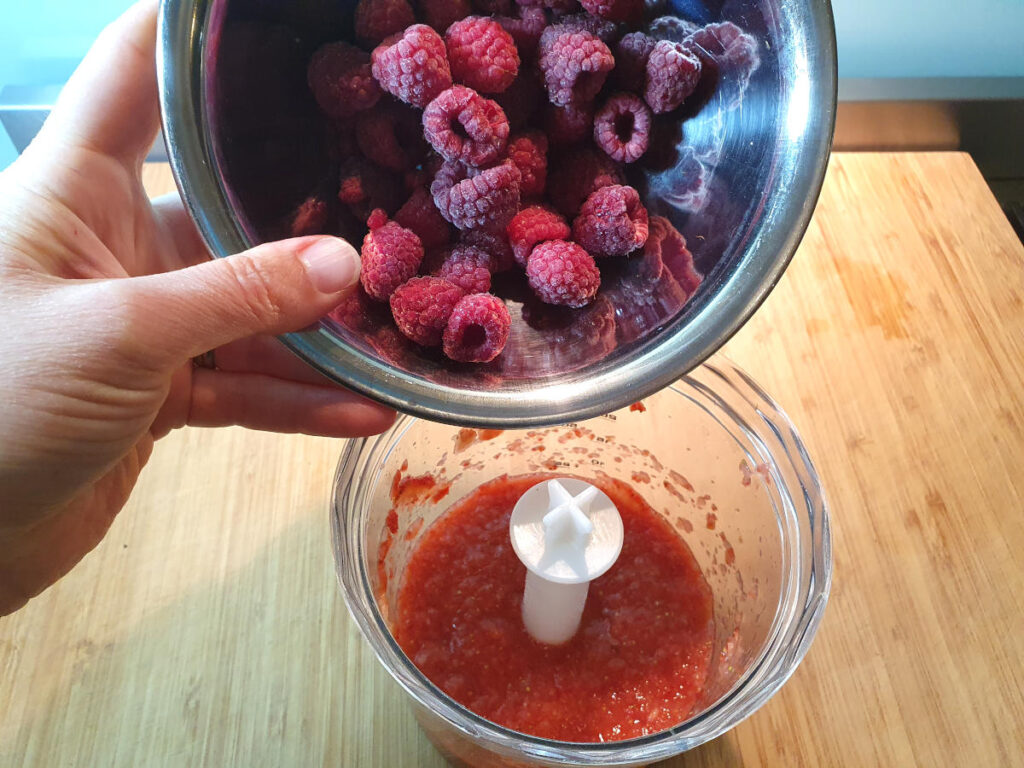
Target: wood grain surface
(208, 628)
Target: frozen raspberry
(441, 14)
(414, 66)
(477, 329)
(390, 135)
(612, 222)
(671, 28)
(606, 31)
(339, 77)
(631, 53)
(492, 7)
(568, 124)
(531, 226)
(466, 266)
(475, 199)
(359, 313)
(574, 65)
(622, 127)
(421, 216)
(377, 19)
(462, 125)
(481, 54)
(526, 28)
(575, 174)
(421, 308)
(310, 218)
(391, 255)
(628, 11)
(563, 273)
(495, 244)
(521, 99)
(529, 153)
(363, 187)
(724, 43)
(672, 74)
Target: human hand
(106, 297)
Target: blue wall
(42, 40)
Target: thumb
(274, 288)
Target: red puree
(637, 664)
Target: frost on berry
(622, 127)
(461, 125)
(673, 73)
(575, 65)
(413, 66)
(478, 329)
(466, 266)
(421, 308)
(391, 254)
(612, 222)
(474, 199)
(563, 273)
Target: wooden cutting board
(208, 628)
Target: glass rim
(803, 594)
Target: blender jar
(713, 454)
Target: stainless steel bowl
(739, 180)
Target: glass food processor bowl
(712, 453)
(737, 175)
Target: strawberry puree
(636, 666)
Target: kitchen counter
(208, 628)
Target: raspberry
(441, 14)
(310, 218)
(531, 226)
(391, 255)
(390, 135)
(575, 65)
(521, 99)
(466, 266)
(612, 222)
(563, 273)
(481, 54)
(495, 244)
(628, 11)
(492, 7)
(363, 187)
(377, 19)
(672, 74)
(474, 199)
(580, 22)
(724, 43)
(568, 124)
(631, 53)
(622, 127)
(526, 28)
(421, 308)
(462, 125)
(359, 313)
(413, 66)
(339, 77)
(671, 28)
(477, 329)
(529, 153)
(421, 216)
(577, 173)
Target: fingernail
(332, 264)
